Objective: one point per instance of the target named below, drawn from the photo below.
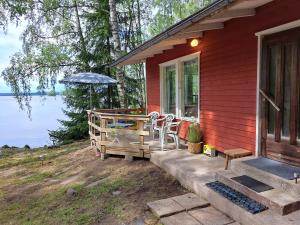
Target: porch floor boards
(194, 171)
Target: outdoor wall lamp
(194, 42)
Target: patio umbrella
(89, 78)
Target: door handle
(269, 99)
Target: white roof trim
(280, 28)
(192, 29)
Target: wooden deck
(122, 134)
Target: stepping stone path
(180, 219)
(190, 201)
(188, 209)
(210, 216)
(165, 207)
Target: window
(169, 90)
(180, 86)
(190, 88)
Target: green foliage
(69, 36)
(57, 40)
(5, 146)
(75, 127)
(52, 93)
(170, 12)
(194, 133)
(12, 11)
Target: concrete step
(267, 217)
(281, 202)
(288, 186)
(194, 171)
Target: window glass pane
(287, 91)
(170, 90)
(190, 88)
(274, 51)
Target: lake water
(16, 129)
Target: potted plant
(194, 138)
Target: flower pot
(195, 148)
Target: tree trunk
(113, 19)
(81, 38)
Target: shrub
(194, 133)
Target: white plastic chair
(153, 119)
(169, 129)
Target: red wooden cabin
(244, 46)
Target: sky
(11, 43)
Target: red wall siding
(227, 75)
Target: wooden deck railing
(121, 134)
(138, 111)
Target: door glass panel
(287, 91)
(298, 118)
(190, 88)
(170, 90)
(274, 51)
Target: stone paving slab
(180, 219)
(210, 216)
(165, 207)
(190, 201)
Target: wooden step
(277, 182)
(281, 202)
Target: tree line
(69, 36)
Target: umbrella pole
(109, 97)
(91, 97)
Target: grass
(34, 194)
(16, 157)
(35, 178)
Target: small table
(119, 125)
(235, 153)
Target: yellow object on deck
(209, 150)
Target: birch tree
(116, 51)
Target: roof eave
(175, 29)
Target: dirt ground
(109, 192)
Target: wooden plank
(284, 158)
(279, 93)
(284, 152)
(203, 27)
(123, 117)
(188, 35)
(264, 104)
(130, 150)
(119, 110)
(124, 152)
(120, 131)
(125, 131)
(102, 137)
(140, 128)
(294, 97)
(136, 146)
(229, 14)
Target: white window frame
(179, 76)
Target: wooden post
(103, 138)
(140, 127)
(227, 162)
